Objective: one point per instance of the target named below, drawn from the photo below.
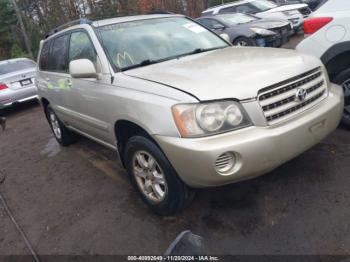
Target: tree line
(41, 16)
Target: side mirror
(225, 37)
(82, 68)
(219, 27)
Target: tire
(154, 178)
(63, 136)
(343, 79)
(243, 41)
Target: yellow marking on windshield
(122, 59)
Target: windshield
(263, 5)
(10, 67)
(236, 19)
(322, 2)
(147, 41)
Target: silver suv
(182, 108)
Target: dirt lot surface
(77, 201)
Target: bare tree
(23, 29)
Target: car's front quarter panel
(145, 103)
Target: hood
(273, 15)
(228, 73)
(269, 23)
(287, 8)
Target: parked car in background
(182, 107)
(311, 3)
(247, 30)
(328, 37)
(287, 2)
(264, 9)
(17, 81)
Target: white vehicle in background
(295, 13)
(17, 81)
(328, 37)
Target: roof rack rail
(81, 21)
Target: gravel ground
(77, 201)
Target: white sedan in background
(17, 81)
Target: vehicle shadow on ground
(19, 109)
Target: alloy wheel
(149, 177)
(55, 125)
(241, 43)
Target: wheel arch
(44, 103)
(124, 130)
(337, 59)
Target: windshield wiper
(151, 62)
(141, 64)
(201, 50)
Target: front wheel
(154, 177)
(243, 41)
(343, 79)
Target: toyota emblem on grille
(301, 95)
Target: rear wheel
(343, 79)
(154, 177)
(63, 136)
(243, 41)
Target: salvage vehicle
(17, 81)
(247, 30)
(264, 9)
(328, 38)
(182, 108)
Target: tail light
(312, 25)
(3, 86)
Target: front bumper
(260, 149)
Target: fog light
(226, 162)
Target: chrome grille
(280, 101)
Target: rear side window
(44, 57)
(58, 54)
(210, 23)
(81, 47)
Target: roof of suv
(124, 19)
(104, 22)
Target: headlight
(262, 31)
(197, 120)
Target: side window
(58, 54)
(207, 23)
(227, 10)
(212, 24)
(44, 57)
(81, 47)
(246, 9)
